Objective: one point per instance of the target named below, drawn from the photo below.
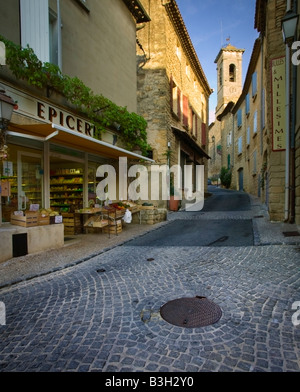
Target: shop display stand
(66, 191)
(108, 219)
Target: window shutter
(247, 104)
(254, 84)
(178, 103)
(185, 111)
(239, 118)
(35, 27)
(203, 136)
(171, 92)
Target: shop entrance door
(67, 185)
(30, 180)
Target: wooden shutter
(178, 102)
(35, 27)
(171, 92)
(185, 119)
(203, 136)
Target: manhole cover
(191, 312)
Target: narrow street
(191, 230)
(104, 313)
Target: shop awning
(72, 139)
(184, 136)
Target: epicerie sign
(67, 120)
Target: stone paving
(104, 314)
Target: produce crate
(43, 220)
(30, 219)
(72, 223)
(113, 227)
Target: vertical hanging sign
(278, 104)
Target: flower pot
(173, 204)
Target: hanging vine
(101, 112)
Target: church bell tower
(230, 79)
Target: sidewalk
(82, 247)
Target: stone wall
(150, 216)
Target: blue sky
(210, 23)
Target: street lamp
(289, 25)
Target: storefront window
(22, 180)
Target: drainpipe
(293, 129)
(287, 110)
(287, 147)
(59, 43)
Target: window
(176, 101)
(248, 136)
(247, 104)
(232, 73)
(178, 51)
(54, 39)
(187, 71)
(239, 118)
(229, 140)
(194, 123)
(254, 84)
(40, 29)
(220, 77)
(240, 145)
(83, 4)
(255, 123)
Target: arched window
(232, 72)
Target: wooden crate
(72, 223)
(29, 220)
(43, 220)
(113, 228)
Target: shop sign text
(67, 120)
(278, 104)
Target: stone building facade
(282, 134)
(264, 124)
(173, 92)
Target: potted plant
(174, 196)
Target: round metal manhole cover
(191, 312)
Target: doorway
(66, 183)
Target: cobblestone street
(104, 313)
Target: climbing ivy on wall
(103, 113)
